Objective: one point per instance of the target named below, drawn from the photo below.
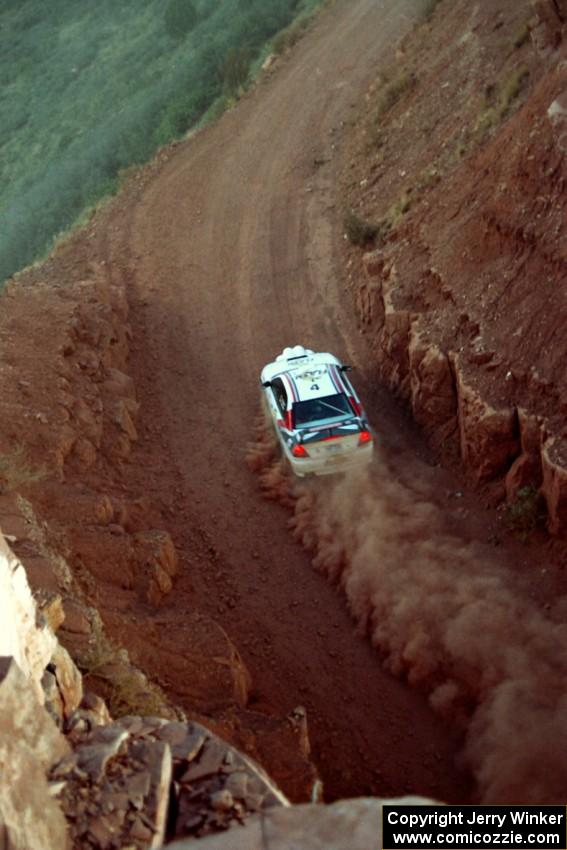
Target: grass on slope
(87, 90)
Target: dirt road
(232, 252)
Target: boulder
(269, 61)
(31, 645)
(77, 617)
(87, 421)
(24, 720)
(554, 488)
(92, 712)
(394, 338)
(30, 744)
(217, 786)
(89, 362)
(354, 824)
(84, 453)
(156, 564)
(373, 263)
(489, 438)
(53, 700)
(65, 443)
(129, 780)
(526, 471)
(207, 669)
(393, 359)
(103, 744)
(69, 679)
(30, 819)
(122, 416)
(557, 115)
(50, 608)
(43, 575)
(548, 25)
(117, 788)
(118, 384)
(94, 709)
(280, 743)
(369, 305)
(433, 395)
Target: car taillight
(299, 451)
(364, 437)
(355, 406)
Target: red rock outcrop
(554, 464)
(30, 745)
(547, 27)
(464, 302)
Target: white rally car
(316, 412)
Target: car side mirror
(345, 368)
(266, 383)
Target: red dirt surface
(230, 247)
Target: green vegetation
(399, 209)
(525, 513)
(521, 37)
(235, 69)
(16, 471)
(180, 18)
(291, 34)
(393, 90)
(430, 176)
(88, 90)
(359, 231)
(499, 101)
(107, 669)
(428, 9)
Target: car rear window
(321, 411)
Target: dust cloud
(441, 614)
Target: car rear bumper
(332, 464)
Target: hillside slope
(460, 158)
(130, 363)
(161, 313)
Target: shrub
(180, 18)
(428, 9)
(394, 90)
(400, 208)
(499, 103)
(235, 69)
(511, 89)
(525, 512)
(359, 231)
(16, 470)
(108, 670)
(289, 36)
(430, 176)
(521, 37)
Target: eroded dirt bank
(227, 248)
(459, 160)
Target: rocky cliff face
(96, 546)
(72, 777)
(464, 300)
